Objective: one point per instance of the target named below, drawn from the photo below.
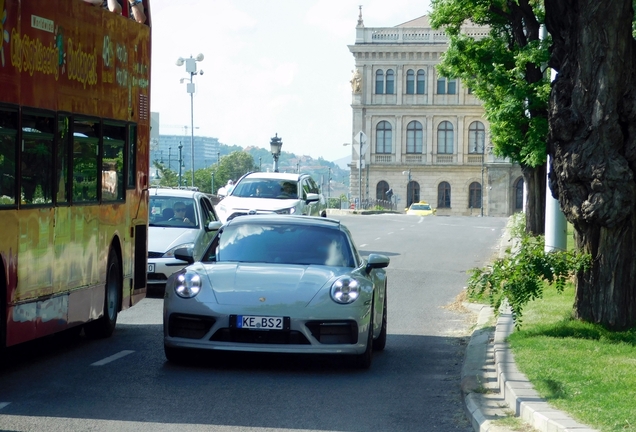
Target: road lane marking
(378, 238)
(112, 358)
(4, 404)
(363, 245)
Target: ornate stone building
(426, 136)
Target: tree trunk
(535, 179)
(592, 141)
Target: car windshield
(282, 244)
(420, 207)
(172, 211)
(266, 188)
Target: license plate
(151, 268)
(252, 322)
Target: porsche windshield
(284, 244)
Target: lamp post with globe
(276, 144)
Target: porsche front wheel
(363, 361)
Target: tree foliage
(231, 166)
(522, 274)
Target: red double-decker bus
(74, 150)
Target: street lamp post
(408, 182)
(276, 144)
(191, 68)
(180, 162)
(260, 169)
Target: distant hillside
(343, 162)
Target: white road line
(390, 233)
(4, 404)
(378, 238)
(112, 358)
(362, 245)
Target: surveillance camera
(201, 72)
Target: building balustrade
(474, 159)
(413, 159)
(409, 35)
(444, 159)
(383, 158)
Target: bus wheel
(105, 325)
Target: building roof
(421, 22)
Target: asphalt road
(124, 382)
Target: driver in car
(180, 213)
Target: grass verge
(580, 368)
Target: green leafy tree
(505, 71)
(592, 144)
(231, 166)
(167, 177)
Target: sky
(270, 67)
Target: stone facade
(426, 136)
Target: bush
(521, 275)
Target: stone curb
(493, 386)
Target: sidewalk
(492, 386)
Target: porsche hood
(250, 284)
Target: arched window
(451, 88)
(443, 195)
(412, 193)
(441, 85)
(390, 82)
(381, 190)
(476, 137)
(379, 81)
(383, 137)
(474, 195)
(519, 194)
(446, 86)
(410, 81)
(421, 79)
(414, 137)
(445, 138)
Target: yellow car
(421, 208)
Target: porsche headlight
(290, 210)
(345, 290)
(170, 252)
(188, 284)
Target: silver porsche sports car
(281, 284)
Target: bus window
(36, 160)
(61, 163)
(114, 139)
(8, 140)
(132, 156)
(85, 147)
